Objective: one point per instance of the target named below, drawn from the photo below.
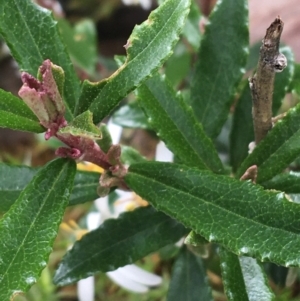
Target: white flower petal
(102, 206)
(115, 131)
(93, 220)
(146, 4)
(127, 283)
(139, 275)
(86, 289)
(163, 153)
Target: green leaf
(15, 114)
(240, 215)
(118, 242)
(277, 150)
(253, 56)
(189, 280)
(28, 229)
(106, 141)
(129, 155)
(176, 125)
(287, 182)
(221, 60)
(243, 278)
(131, 116)
(81, 43)
(82, 125)
(242, 132)
(283, 80)
(14, 179)
(85, 187)
(149, 45)
(191, 30)
(295, 84)
(232, 276)
(178, 65)
(32, 36)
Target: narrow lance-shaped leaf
(131, 116)
(118, 242)
(242, 132)
(28, 229)
(33, 40)
(178, 65)
(221, 60)
(189, 280)
(191, 30)
(176, 124)
(295, 84)
(243, 278)
(278, 149)
(147, 48)
(81, 41)
(14, 179)
(287, 182)
(232, 276)
(15, 114)
(239, 215)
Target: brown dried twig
(261, 84)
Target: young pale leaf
(118, 242)
(15, 114)
(131, 116)
(176, 124)
(237, 214)
(243, 278)
(18, 28)
(82, 125)
(277, 150)
(242, 132)
(28, 229)
(189, 280)
(255, 280)
(147, 48)
(16, 178)
(287, 182)
(221, 60)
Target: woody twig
(262, 83)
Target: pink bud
(43, 97)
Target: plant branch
(261, 84)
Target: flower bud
(44, 98)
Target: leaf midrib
(181, 133)
(215, 206)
